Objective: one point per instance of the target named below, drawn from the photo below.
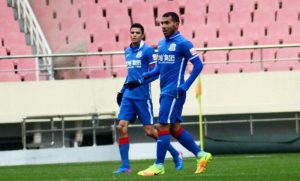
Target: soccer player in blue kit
(137, 102)
(174, 51)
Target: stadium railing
(112, 66)
(62, 119)
(37, 37)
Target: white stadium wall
(222, 94)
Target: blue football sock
(187, 140)
(124, 149)
(163, 143)
(173, 152)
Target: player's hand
(145, 75)
(119, 98)
(180, 92)
(133, 84)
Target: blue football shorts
(132, 108)
(170, 109)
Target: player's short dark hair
(173, 15)
(137, 25)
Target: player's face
(136, 36)
(168, 26)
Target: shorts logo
(172, 47)
(139, 54)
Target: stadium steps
(13, 42)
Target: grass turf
(223, 167)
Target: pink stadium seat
(215, 56)
(100, 74)
(264, 18)
(243, 41)
(238, 18)
(290, 57)
(291, 5)
(26, 64)
(195, 6)
(206, 33)
(154, 35)
(9, 77)
(230, 68)
(48, 24)
(124, 37)
(130, 3)
(29, 76)
(93, 61)
(100, 37)
(278, 30)
(216, 7)
(294, 36)
(9, 25)
(287, 16)
(192, 20)
(116, 23)
(166, 6)
(186, 32)
(230, 32)
(217, 18)
(243, 6)
(7, 64)
(142, 12)
(247, 56)
(6, 12)
(211, 69)
(116, 60)
(268, 5)
(141, 8)
(89, 8)
(147, 22)
(254, 30)
(99, 69)
(269, 54)
(220, 42)
(113, 16)
(13, 37)
(269, 40)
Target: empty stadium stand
(103, 25)
(13, 43)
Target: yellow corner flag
(198, 91)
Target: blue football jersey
(138, 60)
(173, 54)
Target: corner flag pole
(198, 96)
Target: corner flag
(198, 91)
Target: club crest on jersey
(172, 47)
(139, 54)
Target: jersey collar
(137, 48)
(174, 35)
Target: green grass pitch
(284, 166)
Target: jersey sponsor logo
(139, 54)
(172, 47)
(166, 59)
(193, 51)
(155, 57)
(134, 64)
